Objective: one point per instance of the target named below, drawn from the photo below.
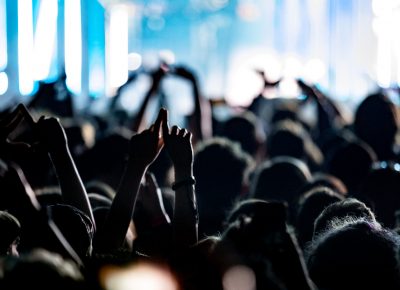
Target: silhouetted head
(249, 244)
(281, 179)
(219, 167)
(75, 225)
(348, 208)
(246, 130)
(355, 255)
(311, 204)
(10, 231)
(381, 191)
(351, 163)
(376, 123)
(40, 269)
(289, 138)
(326, 180)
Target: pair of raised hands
(47, 132)
(147, 145)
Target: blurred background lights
(347, 47)
(3, 83)
(239, 277)
(167, 56)
(143, 276)
(73, 45)
(117, 65)
(134, 61)
(25, 47)
(3, 35)
(45, 38)
(314, 71)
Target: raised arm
(156, 80)
(38, 229)
(200, 121)
(53, 137)
(178, 143)
(144, 149)
(327, 110)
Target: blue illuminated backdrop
(346, 46)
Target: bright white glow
(139, 277)
(179, 95)
(132, 96)
(383, 32)
(288, 88)
(45, 36)
(396, 41)
(314, 71)
(25, 47)
(292, 67)
(167, 56)
(96, 80)
(3, 83)
(73, 44)
(383, 7)
(3, 35)
(134, 61)
(118, 46)
(239, 277)
(244, 83)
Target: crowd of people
(257, 201)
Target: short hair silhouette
(376, 123)
(355, 255)
(311, 204)
(381, 191)
(219, 166)
(10, 230)
(348, 208)
(246, 130)
(351, 163)
(280, 179)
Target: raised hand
(178, 143)
(51, 134)
(145, 146)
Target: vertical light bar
(118, 46)
(45, 36)
(382, 27)
(3, 83)
(73, 44)
(3, 35)
(25, 46)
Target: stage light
(239, 277)
(25, 47)
(45, 36)
(167, 56)
(382, 28)
(117, 61)
(314, 71)
(3, 83)
(73, 44)
(134, 61)
(3, 35)
(142, 276)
